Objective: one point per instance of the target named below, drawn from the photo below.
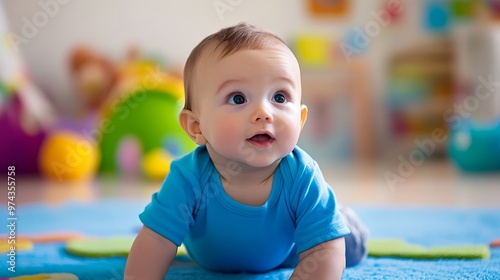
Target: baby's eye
(236, 99)
(279, 97)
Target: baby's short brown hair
(231, 39)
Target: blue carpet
(423, 226)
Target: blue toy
(475, 146)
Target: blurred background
(397, 90)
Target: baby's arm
(323, 261)
(150, 256)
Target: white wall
(48, 29)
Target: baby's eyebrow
(285, 79)
(278, 79)
(224, 84)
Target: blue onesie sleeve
(317, 218)
(170, 212)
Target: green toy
(151, 117)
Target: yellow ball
(156, 164)
(68, 156)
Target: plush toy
(93, 75)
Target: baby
(247, 199)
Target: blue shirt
(224, 235)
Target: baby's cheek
(287, 124)
(228, 130)
(229, 125)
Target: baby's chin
(248, 158)
(261, 162)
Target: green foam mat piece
(401, 249)
(106, 247)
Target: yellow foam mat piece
(6, 245)
(52, 276)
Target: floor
(432, 184)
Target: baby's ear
(303, 115)
(189, 122)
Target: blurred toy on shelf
(394, 10)
(419, 92)
(313, 50)
(328, 8)
(475, 146)
(494, 8)
(437, 16)
(340, 120)
(463, 9)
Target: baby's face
(249, 105)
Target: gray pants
(355, 242)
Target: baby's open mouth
(260, 137)
(261, 140)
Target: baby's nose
(262, 114)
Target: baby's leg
(355, 242)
